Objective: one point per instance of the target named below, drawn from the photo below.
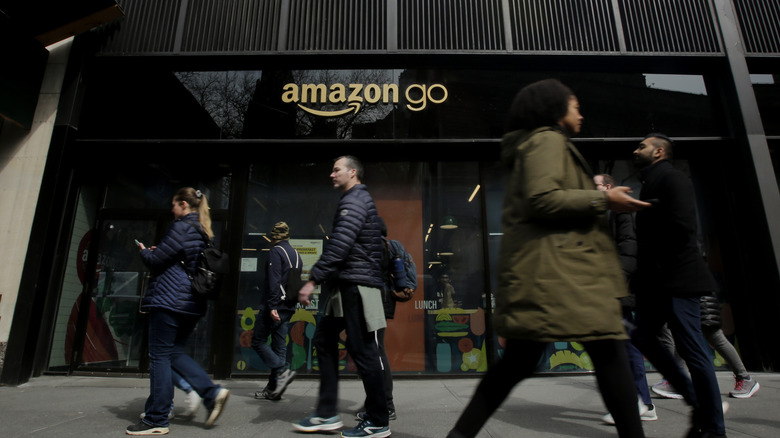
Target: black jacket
(669, 259)
(278, 270)
(710, 312)
(623, 227)
(353, 252)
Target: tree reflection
(310, 125)
(225, 95)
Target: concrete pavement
(543, 406)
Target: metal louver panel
(450, 25)
(149, 26)
(337, 25)
(564, 25)
(759, 21)
(231, 26)
(669, 26)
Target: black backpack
(213, 266)
(294, 283)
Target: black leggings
(519, 361)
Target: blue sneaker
(367, 429)
(314, 423)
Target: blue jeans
(635, 360)
(274, 355)
(168, 333)
(361, 346)
(180, 382)
(682, 314)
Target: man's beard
(641, 162)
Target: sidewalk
(556, 406)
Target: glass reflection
(378, 104)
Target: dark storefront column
(750, 135)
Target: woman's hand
(618, 199)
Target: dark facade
(251, 100)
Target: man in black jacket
(671, 276)
(275, 313)
(350, 261)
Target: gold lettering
(373, 93)
(355, 95)
(316, 91)
(443, 90)
(290, 93)
(338, 93)
(422, 100)
(387, 88)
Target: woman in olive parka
(559, 275)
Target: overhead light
(446, 252)
(449, 223)
(474, 193)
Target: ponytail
(198, 202)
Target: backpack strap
(289, 263)
(205, 238)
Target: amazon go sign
(351, 97)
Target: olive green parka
(559, 274)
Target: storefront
(257, 132)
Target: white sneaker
(646, 413)
(192, 403)
(666, 390)
(650, 413)
(219, 406)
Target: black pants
(361, 346)
(380, 339)
(519, 361)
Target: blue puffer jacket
(170, 287)
(354, 251)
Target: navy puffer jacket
(354, 251)
(171, 288)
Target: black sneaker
(366, 429)
(145, 429)
(267, 395)
(360, 416)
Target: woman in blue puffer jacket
(174, 309)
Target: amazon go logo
(350, 97)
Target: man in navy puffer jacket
(350, 262)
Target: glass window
(104, 276)
(767, 89)
(428, 209)
(378, 104)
